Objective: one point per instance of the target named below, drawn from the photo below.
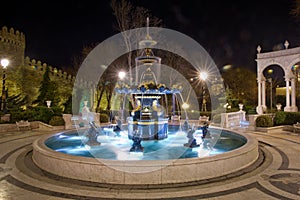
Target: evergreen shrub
(286, 118)
(280, 118)
(57, 121)
(263, 121)
(104, 118)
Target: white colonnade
(285, 59)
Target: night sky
(230, 30)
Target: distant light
(270, 71)
(4, 63)
(185, 106)
(203, 75)
(295, 67)
(227, 67)
(122, 75)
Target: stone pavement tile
(11, 192)
(253, 194)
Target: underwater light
(87, 147)
(62, 136)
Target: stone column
(259, 93)
(287, 85)
(259, 107)
(294, 107)
(263, 82)
(293, 92)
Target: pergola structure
(285, 59)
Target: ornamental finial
(258, 49)
(286, 44)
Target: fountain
(149, 149)
(148, 115)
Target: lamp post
(122, 76)
(203, 77)
(4, 63)
(271, 95)
(270, 72)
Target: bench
(296, 127)
(23, 125)
(5, 118)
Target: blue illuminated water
(116, 147)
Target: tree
(26, 79)
(100, 91)
(130, 17)
(68, 105)
(47, 91)
(295, 11)
(242, 84)
(15, 102)
(78, 59)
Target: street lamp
(203, 76)
(122, 75)
(4, 63)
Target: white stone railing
(71, 121)
(233, 118)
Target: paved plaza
(275, 175)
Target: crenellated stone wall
(24, 71)
(25, 74)
(12, 45)
(54, 72)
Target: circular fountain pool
(116, 147)
(162, 162)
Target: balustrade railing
(233, 118)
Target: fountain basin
(141, 172)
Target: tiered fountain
(145, 150)
(148, 119)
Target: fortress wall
(56, 74)
(12, 45)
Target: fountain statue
(136, 146)
(92, 134)
(205, 131)
(191, 139)
(85, 111)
